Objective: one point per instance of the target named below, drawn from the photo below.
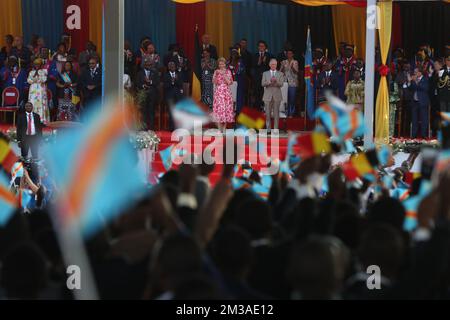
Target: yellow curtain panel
(96, 23)
(219, 25)
(315, 3)
(382, 104)
(349, 25)
(10, 19)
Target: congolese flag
(308, 83)
(251, 118)
(96, 171)
(8, 201)
(7, 156)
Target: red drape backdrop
(79, 36)
(188, 15)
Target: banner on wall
(76, 23)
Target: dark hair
(9, 37)
(244, 39)
(311, 269)
(233, 251)
(387, 210)
(207, 50)
(255, 217)
(263, 42)
(62, 44)
(384, 246)
(24, 272)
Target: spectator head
(40, 42)
(232, 210)
(262, 46)
(28, 107)
(18, 42)
(37, 63)
(418, 72)
(233, 252)
(447, 61)
(317, 267)
(273, 64)
(222, 63)
(255, 217)
(356, 75)
(172, 66)
(290, 53)
(178, 256)
(93, 62)
(34, 40)
(206, 53)
(387, 210)
(90, 46)
(24, 272)
(287, 45)
(406, 67)
(68, 66)
(318, 53)
(234, 54)
(62, 48)
(349, 50)
(12, 61)
(382, 245)
(144, 41)
(328, 66)
(66, 38)
(243, 43)
(150, 48)
(206, 39)
(9, 39)
(342, 48)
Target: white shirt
(272, 73)
(30, 117)
(172, 74)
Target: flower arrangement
(412, 145)
(145, 140)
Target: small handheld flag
(313, 144)
(251, 118)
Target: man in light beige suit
(272, 81)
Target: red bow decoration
(383, 70)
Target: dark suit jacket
(422, 91)
(401, 79)
(172, 90)
(22, 125)
(258, 70)
(141, 80)
(331, 83)
(86, 80)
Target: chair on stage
(10, 102)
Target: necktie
(29, 125)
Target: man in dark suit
(418, 85)
(405, 98)
(148, 81)
(260, 65)
(206, 44)
(327, 81)
(29, 131)
(91, 82)
(173, 88)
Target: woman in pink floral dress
(223, 101)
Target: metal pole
(114, 44)
(371, 24)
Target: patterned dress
(208, 67)
(223, 100)
(38, 94)
(67, 106)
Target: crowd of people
(189, 240)
(60, 84)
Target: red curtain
(188, 15)
(396, 26)
(79, 36)
(357, 3)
